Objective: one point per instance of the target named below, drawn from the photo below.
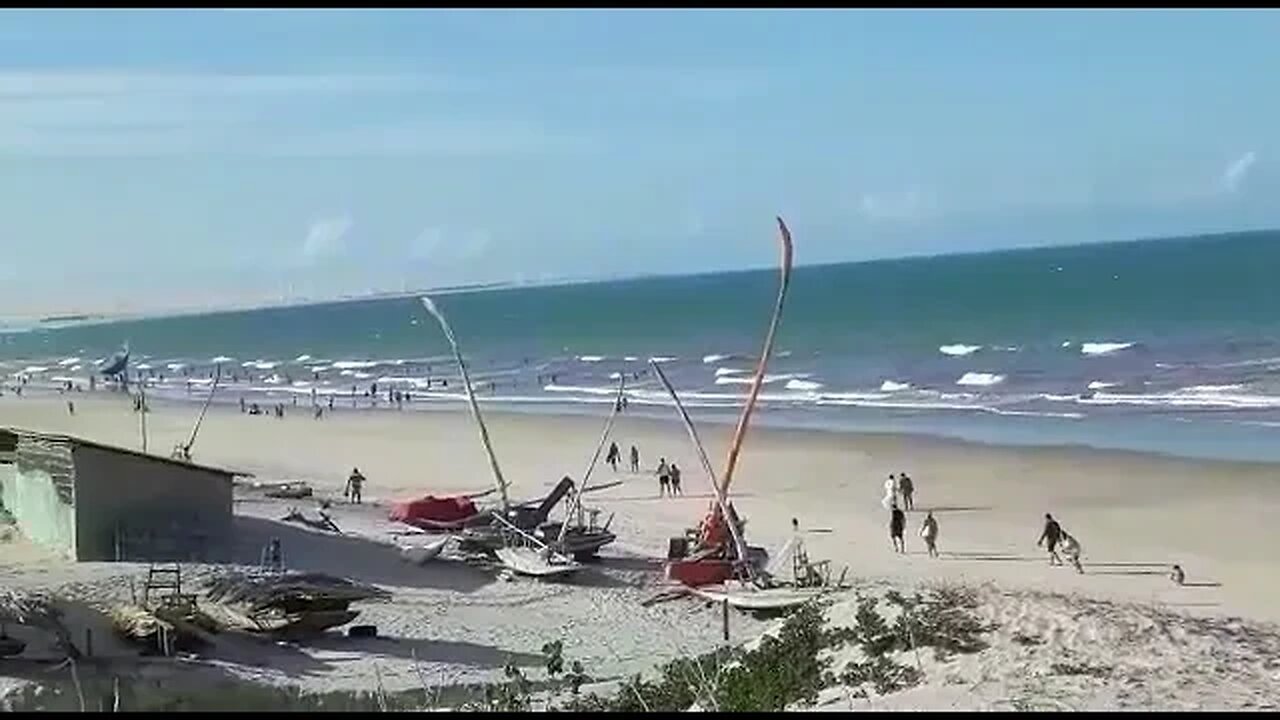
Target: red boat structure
(715, 552)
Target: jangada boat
(715, 551)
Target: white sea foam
(661, 359)
(142, 366)
(733, 380)
(33, 370)
(590, 358)
(980, 379)
(713, 359)
(891, 386)
(721, 372)
(584, 389)
(803, 385)
(355, 364)
(959, 350)
(221, 359)
(630, 358)
(302, 358)
(175, 366)
(68, 362)
(1099, 385)
(1103, 348)
(1006, 348)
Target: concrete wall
(149, 509)
(38, 491)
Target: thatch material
(290, 592)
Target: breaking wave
(959, 350)
(1103, 348)
(980, 379)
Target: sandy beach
(1135, 515)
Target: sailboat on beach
(520, 551)
(714, 561)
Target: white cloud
(326, 238)
(1238, 171)
(438, 246)
(114, 114)
(912, 204)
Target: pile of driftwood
(32, 609)
(289, 604)
(171, 625)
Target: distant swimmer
(929, 532)
(897, 525)
(1050, 537)
(1177, 576)
(635, 459)
(1071, 548)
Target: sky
(155, 160)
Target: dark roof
(59, 437)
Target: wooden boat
(288, 604)
(753, 598)
(717, 551)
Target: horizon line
(83, 318)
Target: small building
(95, 502)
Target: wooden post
(725, 619)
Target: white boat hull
(421, 554)
(526, 561)
(747, 598)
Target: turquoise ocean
(1169, 345)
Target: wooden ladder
(161, 578)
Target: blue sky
(153, 160)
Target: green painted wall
(31, 497)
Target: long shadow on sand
(992, 556)
(457, 652)
(349, 556)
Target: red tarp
(434, 509)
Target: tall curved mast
(576, 502)
(740, 433)
(471, 398)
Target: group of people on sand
(1053, 537)
(614, 456)
(902, 486)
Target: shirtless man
(897, 524)
(929, 531)
(1050, 538)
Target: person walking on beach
(890, 492)
(1050, 538)
(897, 524)
(71, 407)
(907, 488)
(1177, 575)
(929, 532)
(612, 457)
(664, 477)
(1071, 548)
(675, 480)
(354, 483)
(242, 408)
(635, 460)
